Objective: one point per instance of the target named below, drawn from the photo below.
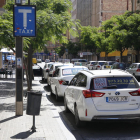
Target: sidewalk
(49, 124)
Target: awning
(114, 53)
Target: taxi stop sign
(24, 20)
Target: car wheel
(56, 95)
(78, 122)
(65, 105)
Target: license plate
(117, 99)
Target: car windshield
(114, 82)
(82, 60)
(111, 63)
(72, 71)
(101, 63)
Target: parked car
(47, 60)
(83, 61)
(63, 74)
(53, 69)
(90, 64)
(37, 70)
(45, 71)
(98, 65)
(39, 61)
(77, 64)
(108, 65)
(95, 95)
(134, 69)
(119, 65)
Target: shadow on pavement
(8, 119)
(52, 98)
(22, 135)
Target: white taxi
(107, 95)
(63, 75)
(53, 69)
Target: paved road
(95, 131)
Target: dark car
(37, 70)
(119, 65)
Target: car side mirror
(66, 83)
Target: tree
(73, 48)
(120, 36)
(60, 50)
(53, 20)
(133, 24)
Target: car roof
(72, 67)
(108, 72)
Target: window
(120, 82)
(72, 71)
(81, 80)
(101, 63)
(51, 68)
(56, 74)
(73, 81)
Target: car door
(69, 91)
(77, 93)
(54, 80)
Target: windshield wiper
(110, 87)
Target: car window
(93, 63)
(58, 66)
(73, 81)
(135, 66)
(36, 67)
(111, 63)
(120, 82)
(122, 66)
(56, 74)
(106, 63)
(81, 80)
(51, 68)
(101, 63)
(72, 71)
(49, 65)
(82, 60)
(139, 66)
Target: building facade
(94, 12)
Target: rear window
(119, 82)
(101, 63)
(93, 63)
(82, 60)
(72, 71)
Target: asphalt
(49, 124)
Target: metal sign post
(24, 21)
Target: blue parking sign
(24, 21)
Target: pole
(19, 71)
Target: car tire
(78, 122)
(65, 105)
(56, 95)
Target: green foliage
(60, 50)
(73, 48)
